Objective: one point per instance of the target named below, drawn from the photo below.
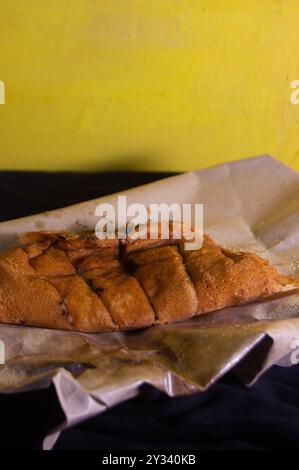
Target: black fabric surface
(227, 416)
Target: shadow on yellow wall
(177, 84)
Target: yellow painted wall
(147, 84)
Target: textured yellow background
(147, 84)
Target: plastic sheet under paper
(249, 205)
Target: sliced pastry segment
(224, 278)
(26, 299)
(77, 282)
(83, 309)
(165, 281)
(119, 291)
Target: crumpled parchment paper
(250, 205)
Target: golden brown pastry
(77, 282)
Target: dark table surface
(227, 416)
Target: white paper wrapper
(251, 205)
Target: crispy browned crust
(75, 281)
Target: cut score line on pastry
(154, 221)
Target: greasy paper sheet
(250, 205)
